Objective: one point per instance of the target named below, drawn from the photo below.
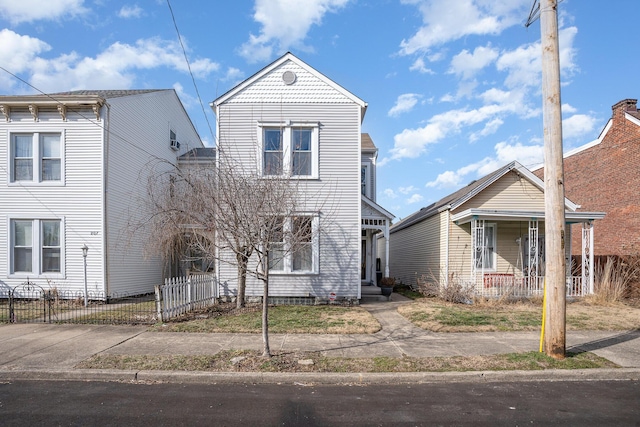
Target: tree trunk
(266, 352)
(242, 279)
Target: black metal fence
(31, 303)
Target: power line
(184, 51)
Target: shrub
(453, 289)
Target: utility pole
(555, 290)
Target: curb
(319, 378)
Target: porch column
(533, 250)
(386, 252)
(587, 256)
(477, 249)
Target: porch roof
(508, 215)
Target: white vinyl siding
(75, 200)
(336, 191)
(139, 126)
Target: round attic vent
(289, 77)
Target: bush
(453, 290)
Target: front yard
(439, 316)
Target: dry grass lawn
(439, 316)
(291, 319)
(252, 361)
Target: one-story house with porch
(488, 235)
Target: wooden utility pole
(555, 291)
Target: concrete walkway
(52, 351)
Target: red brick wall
(606, 178)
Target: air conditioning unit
(175, 145)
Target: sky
(453, 87)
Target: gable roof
(464, 194)
(277, 63)
(376, 207)
(366, 144)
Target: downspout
(105, 171)
(446, 247)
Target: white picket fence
(180, 295)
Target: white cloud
(527, 155)
(490, 128)
(411, 143)
(444, 21)
(467, 64)
(404, 104)
(285, 24)
(18, 53)
(448, 179)
(407, 190)
(114, 67)
(390, 193)
(524, 64)
(578, 125)
(568, 109)
(414, 199)
(419, 66)
(127, 12)
(18, 11)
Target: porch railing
(496, 284)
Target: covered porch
(374, 219)
(506, 253)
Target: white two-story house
(290, 120)
(73, 174)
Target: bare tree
(233, 214)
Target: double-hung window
(289, 149)
(301, 151)
(294, 246)
(36, 157)
(273, 151)
(35, 247)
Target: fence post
(158, 291)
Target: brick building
(604, 175)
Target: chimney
(625, 105)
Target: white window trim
(315, 245)
(37, 158)
(287, 150)
(36, 248)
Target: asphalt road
(597, 403)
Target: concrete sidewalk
(52, 351)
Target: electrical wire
(186, 58)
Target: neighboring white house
(73, 172)
(258, 120)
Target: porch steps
(371, 293)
